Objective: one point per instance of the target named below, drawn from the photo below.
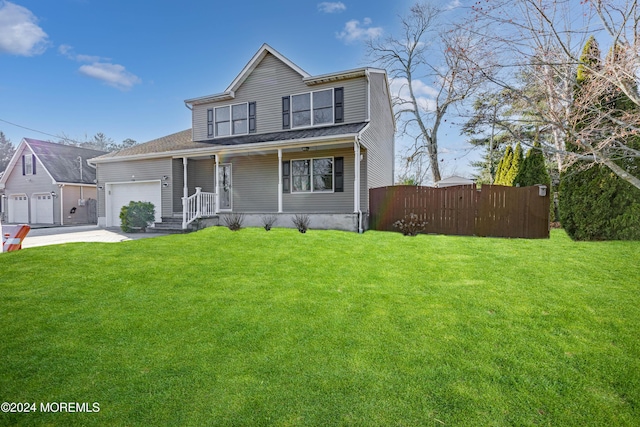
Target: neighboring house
(48, 183)
(453, 181)
(276, 141)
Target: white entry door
(18, 208)
(120, 194)
(42, 208)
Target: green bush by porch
(324, 328)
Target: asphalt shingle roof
(182, 140)
(62, 161)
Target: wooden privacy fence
(493, 210)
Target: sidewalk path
(82, 233)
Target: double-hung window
(237, 119)
(28, 164)
(312, 175)
(311, 108)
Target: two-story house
(277, 141)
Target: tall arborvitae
(516, 164)
(596, 204)
(504, 166)
(534, 170)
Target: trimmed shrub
(233, 221)
(301, 222)
(137, 216)
(268, 221)
(411, 225)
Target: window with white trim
(228, 120)
(312, 175)
(312, 108)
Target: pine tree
(6, 151)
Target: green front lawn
(253, 328)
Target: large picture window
(312, 175)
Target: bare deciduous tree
(429, 71)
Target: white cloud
(19, 31)
(453, 4)
(331, 7)
(68, 51)
(353, 31)
(425, 95)
(112, 74)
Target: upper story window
(28, 164)
(312, 108)
(237, 119)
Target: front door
(224, 186)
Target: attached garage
(18, 207)
(42, 208)
(120, 194)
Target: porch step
(172, 224)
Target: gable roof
(61, 162)
(181, 141)
(229, 92)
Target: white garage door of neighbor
(19, 208)
(119, 195)
(42, 208)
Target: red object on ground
(12, 236)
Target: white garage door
(119, 195)
(42, 208)
(19, 208)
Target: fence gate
(494, 211)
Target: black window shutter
(286, 177)
(252, 117)
(338, 171)
(33, 164)
(338, 95)
(210, 122)
(285, 113)
(24, 171)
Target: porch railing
(196, 206)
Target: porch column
(217, 187)
(279, 180)
(185, 193)
(356, 178)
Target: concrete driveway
(81, 233)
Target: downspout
(356, 183)
(62, 204)
(279, 180)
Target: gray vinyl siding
(254, 183)
(200, 173)
(268, 83)
(323, 202)
(379, 136)
(144, 170)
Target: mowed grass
(252, 328)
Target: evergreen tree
(534, 170)
(504, 166)
(514, 168)
(596, 204)
(6, 151)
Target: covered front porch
(260, 183)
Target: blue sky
(124, 68)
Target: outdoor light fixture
(542, 190)
(100, 187)
(133, 177)
(53, 194)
